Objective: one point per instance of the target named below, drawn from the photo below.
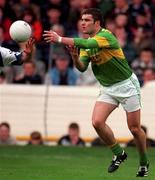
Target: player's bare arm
(72, 43)
(51, 36)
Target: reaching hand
(51, 36)
(74, 51)
(29, 46)
(27, 52)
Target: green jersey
(108, 62)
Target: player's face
(88, 24)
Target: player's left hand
(29, 46)
(74, 51)
(51, 36)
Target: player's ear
(97, 23)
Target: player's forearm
(9, 57)
(66, 41)
(25, 56)
(79, 64)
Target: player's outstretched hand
(29, 46)
(51, 36)
(28, 49)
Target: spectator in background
(1, 35)
(120, 6)
(22, 5)
(7, 9)
(121, 20)
(126, 45)
(149, 142)
(61, 73)
(5, 136)
(30, 17)
(148, 75)
(142, 38)
(61, 5)
(5, 22)
(142, 21)
(29, 75)
(73, 137)
(73, 16)
(85, 4)
(53, 17)
(57, 47)
(144, 61)
(35, 138)
(137, 7)
(142, 31)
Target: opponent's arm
(8, 57)
(27, 51)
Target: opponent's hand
(51, 36)
(29, 46)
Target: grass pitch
(67, 163)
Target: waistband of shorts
(125, 81)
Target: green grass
(66, 163)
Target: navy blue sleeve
(18, 59)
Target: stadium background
(43, 107)
(49, 108)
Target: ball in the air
(20, 31)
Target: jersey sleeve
(85, 43)
(8, 57)
(102, 42)
(104, 39)
(106, 42)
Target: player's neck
(96, 31)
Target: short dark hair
(36, 135)
(5, 124)
(74, 126)
(148, 49)
(96, 14)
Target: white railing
(23, 106)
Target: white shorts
(126, 93)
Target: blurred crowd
(132, 21)
(71, 138)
